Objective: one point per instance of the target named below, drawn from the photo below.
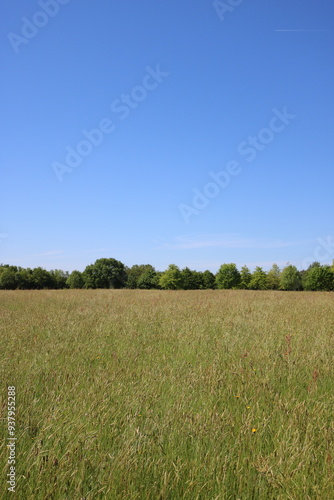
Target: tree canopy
(111, 273)
(228, 276)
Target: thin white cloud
(97, 250)
(225, 241)
(46, 254)
(303, 30)
(214, 265)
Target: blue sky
(185, 95)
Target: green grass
(125, 394)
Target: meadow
(132, 394)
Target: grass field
(125, 394)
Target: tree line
(111, 273)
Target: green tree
(41, 278)
(135, 273)
(273, 278)
(209, 280)
(25, 279)
(75, 280)
(171, 279)
(199, 280)
(314, 264)
(245, 278)
(319, 278)
(290, 279)
(190, 279)
(228, 276)
(8, 277)
(148, 280)
(105, 273)
(304, 273)
(59, 278)
(258, 280)
(157, 280)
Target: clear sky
(215, 140)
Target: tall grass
(125, 394)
